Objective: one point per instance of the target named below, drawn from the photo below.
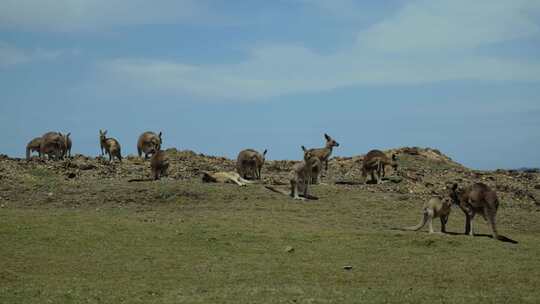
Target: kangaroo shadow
(501, 238)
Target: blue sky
(219, 76)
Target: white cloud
(74, 15)
(11, 55)
(452, 25)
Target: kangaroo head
(308, 154)
(102, 135)
(330, 142)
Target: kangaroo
(434, 208)
(67, 145)
(52, 144)
(33, 146)
(250, 161)
(324, 153)
(110, 145)
(159, 164)
(375, 163)
(302, 174)
(224, 177)
(148, 141)
(478, 198)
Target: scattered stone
(348, 267)
(289, 249)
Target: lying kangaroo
(224, 177)
(159, 163)
(249, 163)
(33, 146)
(324, 153)
(148, 142)
(434, 208)
(478, 198)
(110, 145)
(374, 164)
(302, 174)
(52, 145)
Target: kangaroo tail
(420, 225)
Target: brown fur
(110, 145)
(159, 164)
(148, 142)
(33, 146)
(434, 208)
(478, 198)
(375, 163)
(249, 163)
(324, 153)
(52, 145)
(302, 174)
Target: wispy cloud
(424, 42)
(11, 55)
(76, 15)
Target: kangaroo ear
(67, 135)
(264, 153)
(326, 136)
(304, 149)
(105, 133)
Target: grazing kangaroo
(478, 198)
(324, 153)
(434, 208)
(159, 164)
(110, 145)
(224, 177)
(302, 174)
(374, 164)
(148, 142)
(52, 145)
(33, 146)
(249, 163)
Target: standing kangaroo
(148, 142)
(52, 145)
(302, 174)
(110, 145)
(478, 198)
(374, 164)
(33, 146)
(324, 153)
(67, 145)
(434, 208)
(159, 164)
(249, 163)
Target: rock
(347, 267)
(289, 249)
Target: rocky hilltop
(422, 172)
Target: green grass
(187, 242)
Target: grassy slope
(183, 241)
